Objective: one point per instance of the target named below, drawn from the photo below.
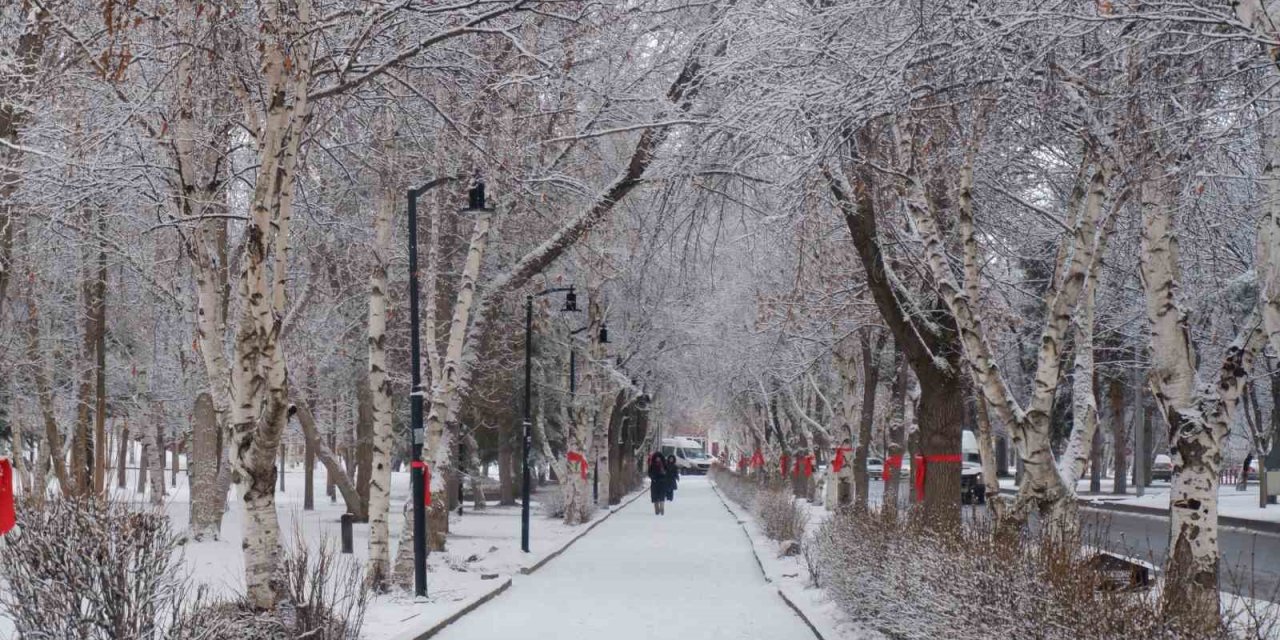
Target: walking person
(657, 482)
(673, 477)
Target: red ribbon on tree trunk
(922, 462)
(426, 480)
(785, 467)
(892, 462)
(757, 459)
(574, 456)
(808, 466)
(7, 516)
(839, 462)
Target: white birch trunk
(378, 569)
(1198, 420)
(259, 380)
(445, 390)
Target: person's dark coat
(657, 478)
(673, 478)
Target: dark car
(1162, 468)
(972, 489)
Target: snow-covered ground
(639, 576)
(1231, 501)
(480, 543)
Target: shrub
(324, 597)
(780, 516)
(90, 569)
(910, 581)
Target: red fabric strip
(892, 462)
(574, 456)
(7, 515)
(839, 462)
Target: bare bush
(780, 516)
(325, 598)
(735, 487)
(90, 569)
(327, 591)
(912, 581)
(551, 502)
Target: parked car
(1162, 468)
(875, 468)
(972, 489)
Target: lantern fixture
(570, 301)
(476, 197)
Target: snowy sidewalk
(689, 574)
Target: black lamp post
(475, 203)
(570, 304)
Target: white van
(690, 457)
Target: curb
(524, 571)
(742, 523)
(440, 626)
(1234, 522)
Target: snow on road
(638, 576)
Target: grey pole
(1139, 422)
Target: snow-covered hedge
(774, 503)
(914, 582)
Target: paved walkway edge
(794, 605)
(457, 615)
(495, 592)
(526, 570)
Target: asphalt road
(1250, 560)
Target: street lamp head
(571, 300)
(476, 196)
(604, 333)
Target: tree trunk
(506, 464)
(897, 434)
(1199, 418)
(377, 396)
(364, 438)
(144, 460)
(207, 505)
(444, 390)
(100, 452)
(176, 463)
(156, 462)
(941, 418)
(870, 381)
(123, 457)
(332, 465)
(308, 476)
(1119, 437)
(331, 483)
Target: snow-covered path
(688, 574)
